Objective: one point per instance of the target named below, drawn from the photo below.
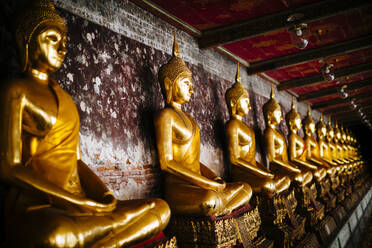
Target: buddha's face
(338, 135)
(243, 106)
(276, 116)
(311, 128)
(50, 50)
(182, 89)
(330, 133)
(297, 122)
(322, 132)
(344, 136)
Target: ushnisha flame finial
(237, 78)
(272, 92)
(309, 110)
(176, 51)
(293, 106)
(321, 116)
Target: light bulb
(299, 35)
(328, 72)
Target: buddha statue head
(176, 78)
(337, 137)
(330, 131)
(343, 135)
(293, 118)
(348, 137)
(308, 123)
(272, 111)
(41, 37)
(237, 98)
(321, 128)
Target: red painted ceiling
(209, 14)
(206, 15)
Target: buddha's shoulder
(232, 124)
(15, 86)
(269, 130)
(237, 124)
(164, 114)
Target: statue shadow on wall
(147, 112)
(219, 133)
(10, 68)
(9, 64)
(260, 142)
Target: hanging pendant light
(353, 104)
(298, 32)
(342, 91)
(328, 72)
(299, 35)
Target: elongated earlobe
(168, 89)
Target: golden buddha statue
(336, 163)
(55, 200)
(298, 155)
(312, 146)
(242, 145)
(276, 147)
(297, 148)
(276, 151)
(323, 155)
(324, 152)
(332, 145)
(338, 143)
(345, 147)
(352, 150)
(191, 188)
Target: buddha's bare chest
(245, 135)
(183, 128)
(40, 109)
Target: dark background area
(364, 136)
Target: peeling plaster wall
(114, 52)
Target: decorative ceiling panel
(208, 14)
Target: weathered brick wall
(114, 52)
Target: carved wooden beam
(306, 81)
(340, 100)
(310, 54)
(277, 21)
(335, 90)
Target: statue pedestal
(326, 197)
(338, 214)
(160, 241)
(325, 229)
(308, 206)
(280, 223)
(350, 201)
(310, 241)
(239, 228)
